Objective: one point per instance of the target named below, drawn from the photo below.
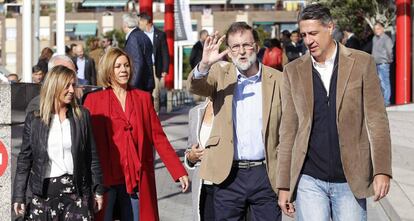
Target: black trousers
(207, 203)
(246, 188)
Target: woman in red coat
(126, 128)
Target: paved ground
(176, 206)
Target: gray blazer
(195, 118)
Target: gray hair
(130, 20)
(53, 59)
(316, 12)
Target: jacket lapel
(200, 115)
(137, 105)
(306, 81)
(345, 65)
(268, 86)
(74, 124)
(155, 41)
(230, 81)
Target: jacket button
(231, 141)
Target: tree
(118, 37)
(359, 13)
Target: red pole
(145, 6)
(403, 52)
(169, 31)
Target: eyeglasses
(246, 46)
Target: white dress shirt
(59, 145)
(80, 63)
(150, 35)
(326, 69)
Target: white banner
(182, 20)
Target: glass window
(11, 33)
(11, 58)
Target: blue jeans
(384, 76)
(317, 200)
(135, 205)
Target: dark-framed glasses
(245, 46)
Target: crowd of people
(312, 142)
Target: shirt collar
(127, 35)
(255, 78)
(151, 30)
(329, 61)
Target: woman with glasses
(58, 156)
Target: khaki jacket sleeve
(287, 134)
(205, 86)
(376, 121)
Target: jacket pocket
(212, 141)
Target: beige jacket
(364, 136)
(219, 85)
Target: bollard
(169, 101)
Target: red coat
(149, 133)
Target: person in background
(366, 40)
(285, 38)
(86, 67)
(273, 55)
(95, 52)
(44, 58)
(58, 155)
(13, 78)
(197, 50)
(200, 122)
(350, 39)
(139, 48)
(106, 43)
(382, 46)
(37, 75)
(294, 48)
(160, 57)
(260, 54)
(128, 128)
(54, 61)
(72, 53)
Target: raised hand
(211, 52)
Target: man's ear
(331, 27)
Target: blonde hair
(107, 64)
(56, 81)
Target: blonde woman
(58, 152)
(125, 121)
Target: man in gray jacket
(382, 52)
